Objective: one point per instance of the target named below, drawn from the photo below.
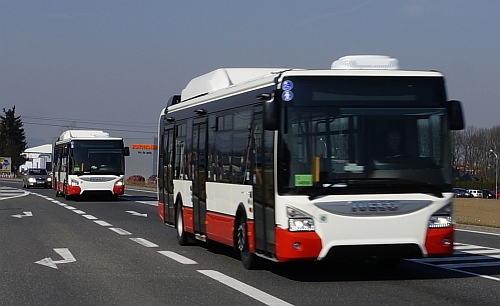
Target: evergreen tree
(12, 137)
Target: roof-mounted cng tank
(366, 62)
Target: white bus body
(289, 164)
(89, 162)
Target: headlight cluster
(442, 218)
(119, 182)
(31, 179)
(299, 221)
(49, 179)
(74, 183)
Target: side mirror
(455, 115)
(271, 111)
(126, 151)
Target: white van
(476, 193)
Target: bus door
(263, 186)
(198, 166)
(167, 184)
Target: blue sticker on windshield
(287, 85)
(287, 96)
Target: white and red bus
(291, 164)
(89, 162)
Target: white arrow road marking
(65, 253)
(134, 213)
(25, 214)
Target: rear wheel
(249, 260)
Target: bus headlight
(74, 183)
(299, 221)
(301, 225)
(119, 182)
(442, 217)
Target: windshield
(97, 157)
(344, 149)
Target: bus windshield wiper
(325, 187)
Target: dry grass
(477, 211)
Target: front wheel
(249, 260)
(182, 236)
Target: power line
(91, 127)
(107, 122)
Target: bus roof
(84, 134)
(223, 78)
(231, 81)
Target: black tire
(67, 196)
(250, 261)
(182, 236)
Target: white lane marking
(120, 231)
(102, 223)
(471, 265)
(145, 242)
(25, 214)
(466, 256)
(65, 254)
(178, 258)
(10, 193)
(141, 190)
(244, 288)
(477, 232)
(134, 213)
(69, 207)
(80, 212)
(90, 217)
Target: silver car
(36, 177)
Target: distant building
(37, 157)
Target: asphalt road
(99, 252)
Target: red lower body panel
(220, 228)
(161, 211)
(307, 245)
(187, 213)
(439, 241)
(74, 190)
(119, 190)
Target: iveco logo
(98, 179)
(373, 206)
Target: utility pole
(496, 173)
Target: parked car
(37, 177)
(462, 193)
(496, 193)
(136, 178)
(153, 178)
(476, 193)
(488, 194)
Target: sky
(112, 65)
